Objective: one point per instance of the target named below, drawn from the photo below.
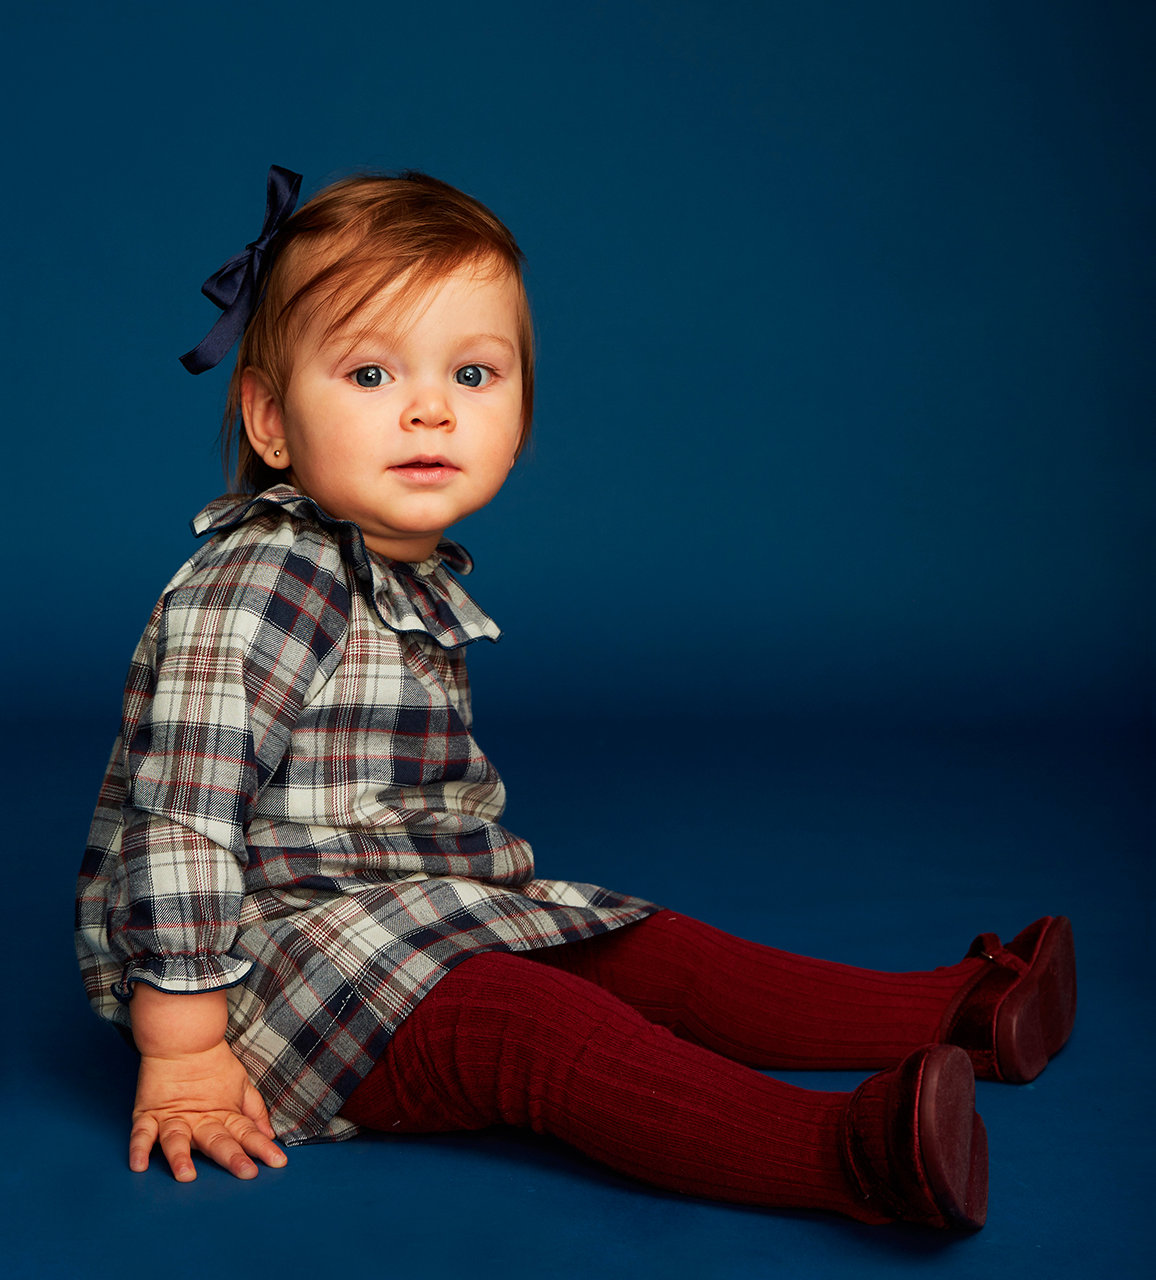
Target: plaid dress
(295, 809)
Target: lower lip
(425, 475)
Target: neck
(415, 548)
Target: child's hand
(203, 1101)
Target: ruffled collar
(407, 597)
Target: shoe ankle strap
(990, 948)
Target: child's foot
(1018, 1011)
(913, 1145)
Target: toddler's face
(410, 429)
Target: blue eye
(473, 375)
(371, 375)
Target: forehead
(355, 304)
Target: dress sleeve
(236, 651)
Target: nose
(430, 407)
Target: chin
(414, 523)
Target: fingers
(232, 1144)
(264, 1149)
(230, 1149)
(140, 1143)
(221, 1146)
(175, 1143)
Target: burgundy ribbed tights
(629, 1046)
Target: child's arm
(191, 1091)
(217, 684)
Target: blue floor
(891, 851)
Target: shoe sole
(952, 1138)
(1036, 1019)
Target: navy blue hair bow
(234, 287)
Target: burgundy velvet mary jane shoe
(913, 1145)
(1018, 1011)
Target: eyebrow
(369, 334)
(490, 337)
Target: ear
(261, 412)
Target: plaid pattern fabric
(295, 808)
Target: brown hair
(339, 251)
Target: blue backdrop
(844, 322)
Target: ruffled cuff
(182, 975)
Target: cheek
(500, 447)
(500, 458)
(329, 432)
(506, 419)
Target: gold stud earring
(276, 453)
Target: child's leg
(503, 1040)
(769, 1008)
